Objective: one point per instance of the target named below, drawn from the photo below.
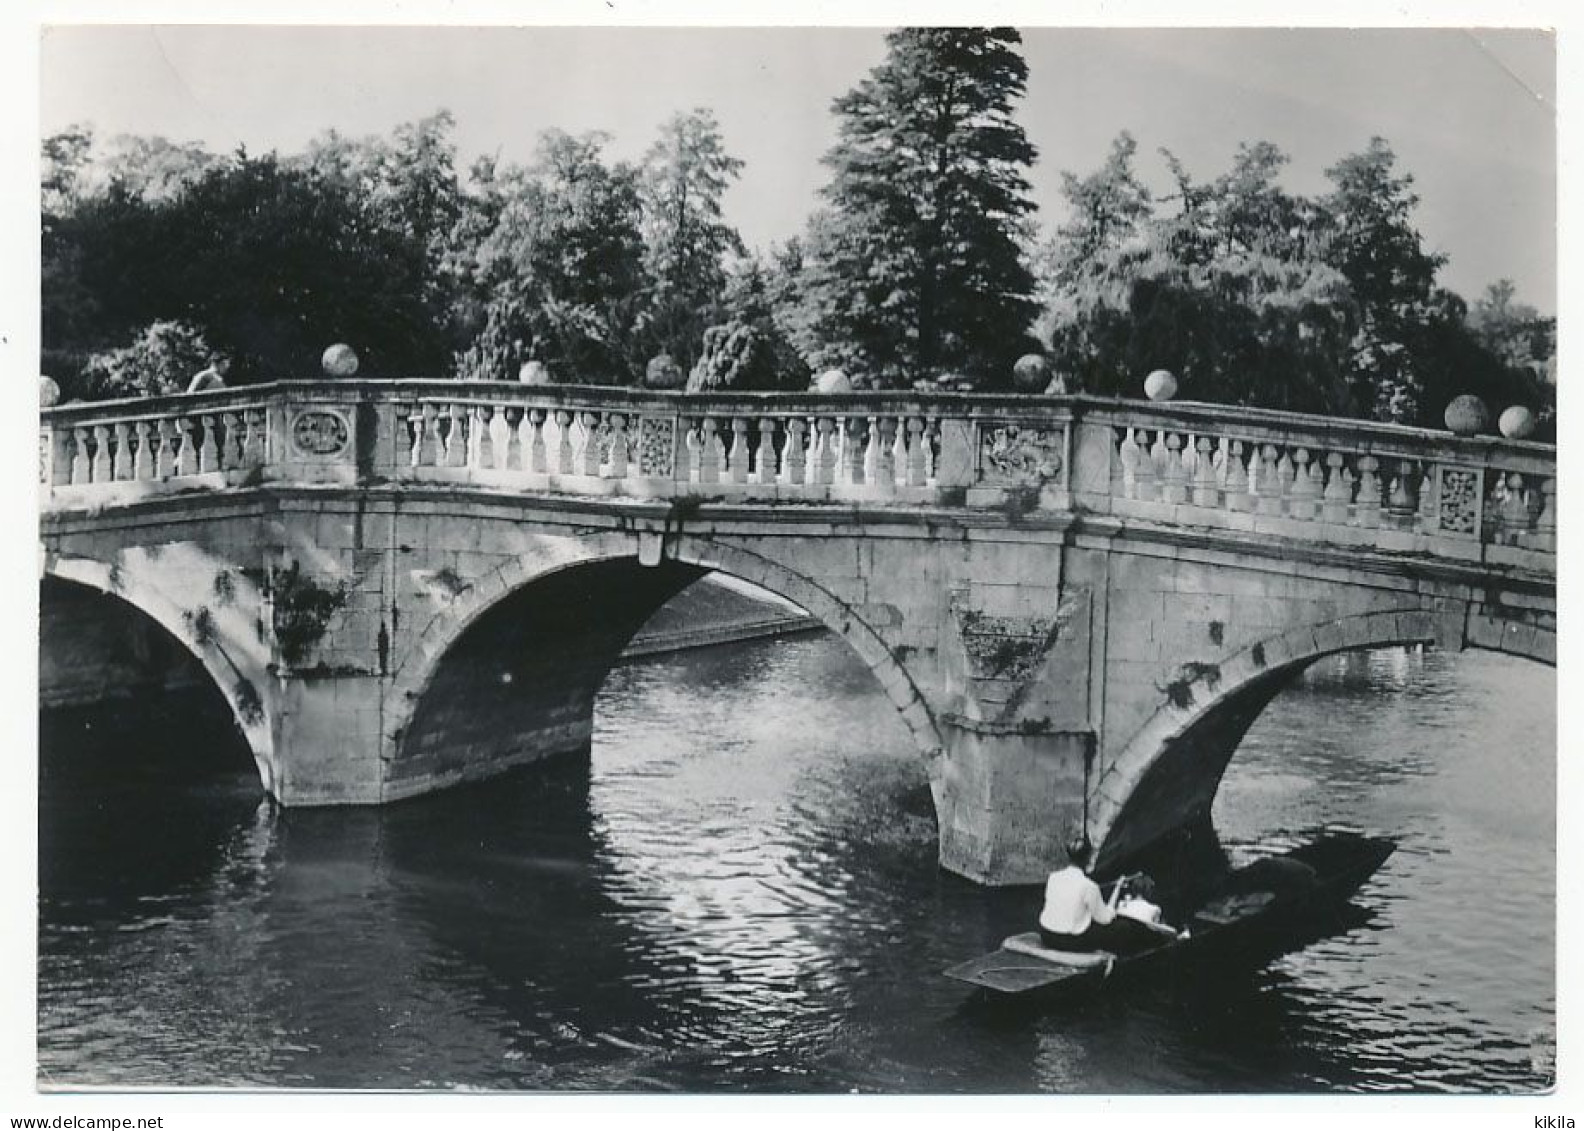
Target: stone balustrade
(209, 439)
(1194, 466)
(674, 446)
(1341, 482)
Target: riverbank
(717, 610)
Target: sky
(1471, 114)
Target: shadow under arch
(1166, 778)
(468, 700)
(227, 679)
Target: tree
(915, 265)
(154, 168)
(748, 351)
(65, 160)
(686, 242)
(1109, 210)
(1513, 331)
(1372, 241)
(1228, 291)
(559, 274)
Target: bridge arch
(231, 676)
(1169, 772)
(688, 558)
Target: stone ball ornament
(1516, 423)
(533, 373)
(1031, 373)
(833, 381)
(340, 360)
(663, 372)
(1466, 415)
(1160, 385)
(49, 392)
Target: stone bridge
(1077, 606)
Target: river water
(739, 893)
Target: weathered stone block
(1133, 639)
(1009, 800)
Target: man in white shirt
(1077, 917)
(210, 378)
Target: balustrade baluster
(1494, 509)
(1174, 478)
(1545, 525)
(897, 431)
(1158, 455)
(61, 455)
(1534, 501)
(253, 446)
(711, 452)
(143, 460)
(1132, 459)
(531, 431)
(737, 459)
(589, 453)
(208, 449)
(456, 442)
(1303, 497)
(1317, 480)
(164, 453)
(1265, 480)
(851, 469)
(828, 451)
(882, 439)
(186, 445)
(794, 466)
(917, 449)
(1147, 475)
(121, 465)
(563, 442)
(1206, 489)
(1235, 475)
(1367, 503)
(930, 435)
(1338, 490)
(425, 448)
(508, 439)
(616, 466)
(1284, 480)
(481, 452)
(872, 447)
(687, 448)
(1429, 521)
(1402, 505)
(766, 472)
(1515, 508)
(81, 465)
(1223, 453)
(100, 470)
(231, 442)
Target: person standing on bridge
(211, 378)
(1076, 916)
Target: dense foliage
(1251, 295)
(921, 265)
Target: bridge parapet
(1286, 475)
(1345, 483)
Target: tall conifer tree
(916, 264)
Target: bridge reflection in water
(1076, 607)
